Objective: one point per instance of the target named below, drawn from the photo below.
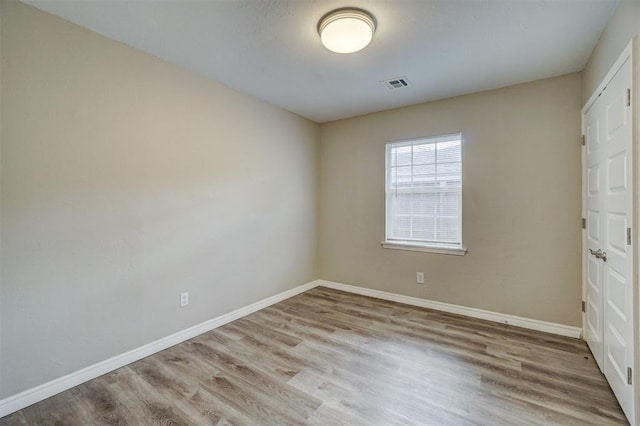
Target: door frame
(630, 52)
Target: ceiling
(271, 49)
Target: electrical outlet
(420, 277)
(184, 299)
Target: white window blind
(424, 191)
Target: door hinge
(583, 141)
(628, 236)
(584, 223)
(584, 306)
(628, 97)
(629, 376)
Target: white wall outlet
(184, 299)
(420, 277)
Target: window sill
(456, 251)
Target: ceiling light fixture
(346, 30)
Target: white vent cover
(396, 83)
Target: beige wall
(126, 180)
(623, 26)
(521, 201)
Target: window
(424, 194)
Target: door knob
(599, 254)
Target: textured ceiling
(270, 48)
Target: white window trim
(425, 248)
(419, 246)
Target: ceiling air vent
(396, 83)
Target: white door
(594, 179)
(617, 256)
(608, 258)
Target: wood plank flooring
(327, 357)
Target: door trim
(626, 53)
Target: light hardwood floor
(327, 357)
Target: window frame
(421, 245)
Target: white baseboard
(46, 390)
(532, 324)
(31, 396)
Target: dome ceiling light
(346, 30)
